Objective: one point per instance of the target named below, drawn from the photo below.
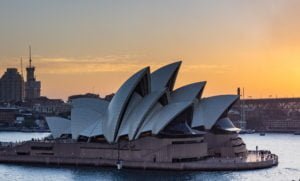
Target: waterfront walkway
(251, 157)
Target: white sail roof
(131, 124)
(146, 125)
(58, 126)
(95, 129)
(95, 104)
(165, 77)
(188, 92)
(117, 106)
(144, 103)
(164, 116)
(85, 113)
(82, 118)
(210, 109)
(227, 125)
(126, 121)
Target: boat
(247, 131)
(262, 134)
(297, 133)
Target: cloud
(214, 68)
(105, 64)
(88, 65)
(71, 65)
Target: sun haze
(93, 46)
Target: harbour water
(286, 146)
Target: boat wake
(293, 169)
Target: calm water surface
(286, 146)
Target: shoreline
(24, 130)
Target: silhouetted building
(7, 116)
(32, 86)
(11, 86)
(269, 114)
(87, 95)
(109, 97)
(47, 106)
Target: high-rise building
(11, 86)
(32, 86)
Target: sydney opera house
(148, 124)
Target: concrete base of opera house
(210, 164)
(93, 154)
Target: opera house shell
(147, 105)
(148, 124)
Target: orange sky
(95, 46)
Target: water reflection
(42, 172)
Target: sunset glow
(94, 46)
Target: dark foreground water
(286, 146)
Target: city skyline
(82, 45)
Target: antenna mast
(30, 56)
(21, 66)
